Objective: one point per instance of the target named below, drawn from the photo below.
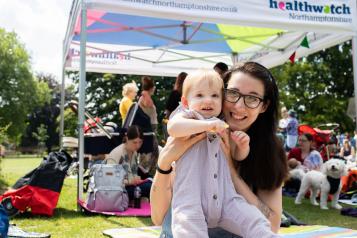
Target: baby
(203, 192)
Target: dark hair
(179, 81)
(133, 132)
(308, 136)
(266, 164)
(222, 66)
(147, 83)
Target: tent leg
(354, 68)
(81, 100)
(61, 133)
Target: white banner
(304, 15)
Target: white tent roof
(165, 37)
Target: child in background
(203, 193)
(130, 91)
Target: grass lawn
(67, 222)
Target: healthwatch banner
(306, 15)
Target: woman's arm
(267, 202)
(161, 194)
(273, 200)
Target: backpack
(107, 191)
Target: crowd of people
(230, 146)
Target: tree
(41, 136)
(18, 89)
(47, 114)
(318, 87)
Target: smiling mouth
(238, 117)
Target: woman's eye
(251, 98)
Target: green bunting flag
(305, 42)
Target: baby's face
(205, 99)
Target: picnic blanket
(289, 232)
(143, 211)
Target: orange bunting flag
(292, 57)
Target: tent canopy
(165, 37)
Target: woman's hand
(175, 148)
(241, 139)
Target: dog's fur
(317, 181)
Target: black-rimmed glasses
(250, 101)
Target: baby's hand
(242, 140)
(218, 126)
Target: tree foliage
(318, 87)
(19, 92)
(46, 114)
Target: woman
(347, 151)
(127, 155)
(145, 101)
(130, 91)
(251, 106)
(175, 95)
(305, 154)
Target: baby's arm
(240, 149)
(181, 126)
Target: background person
(261, 187)
(145, 101)
(347, 151)
(292, 126)
(129, 92)
(305, 153)
(175, 96)
(126, 154)
(173, 100)
(221, 68)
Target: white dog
(327, 182)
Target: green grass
(67, 222)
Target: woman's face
(304, 143)
(238, 116)
(132, 95)
(134, 144)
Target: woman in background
(145, 101)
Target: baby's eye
(199, 95)
(216, 95)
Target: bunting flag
(292, 57)
(305, 42)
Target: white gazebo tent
(165, 37)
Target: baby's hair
(129, 87)
(210, 77)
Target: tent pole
(354, 68)
(81, 100)
(62, 107)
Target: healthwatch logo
(303, 6)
